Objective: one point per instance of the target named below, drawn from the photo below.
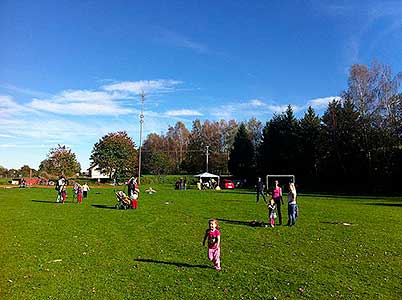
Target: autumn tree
(115, 155)
(374, 90)
(177, 142)
(195, 159)
(156, 158)
(26, 170)
(60, 161)
(3, 171)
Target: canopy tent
(207, 175)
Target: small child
(75, 189)
(272, 212)
(214, 243)
(79, 194)
(134, 196)
(63, 194)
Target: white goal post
(293, 179)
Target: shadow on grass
(173, 263)
(386, 204)
(337, 223)
(244, 223)
(348, 197)
(103, 206)
(48, 202)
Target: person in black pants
(259, 188)
(277, 196)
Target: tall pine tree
(241, 159)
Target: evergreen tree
(241, 158)
(280, 148)
(342, 161)
(309, 146)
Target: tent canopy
(206, 175)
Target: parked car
(227, 184)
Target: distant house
(94, 172)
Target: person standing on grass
(214, 243)
(277, 196)
(272, 212)
(85, 189)
(63, 194)
(133, 191)
(79, 194)
(59, 188)
(292, 206)
(259, 189)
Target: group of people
(213, 234)
(276, 201)
(181, 184)
(79, 191)
(211, 183)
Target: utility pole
(207, 154)
(142, 95)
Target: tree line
(356, 145)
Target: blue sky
(71, 71)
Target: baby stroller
(123, 202)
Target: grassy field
(92, 251)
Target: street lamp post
(207, 154)
(141, 123)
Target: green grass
(90, 251)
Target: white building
(94, 172)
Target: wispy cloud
(105, 101)
(261, 108)
(79, 109)
(146, 86)
(367, 25)
(25, 91)
(8, 106)
(175, 39)
(82, 102)
(183, 112)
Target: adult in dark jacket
(259, 189)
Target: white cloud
(83, 102)
(8, 145)
(256, 102)
(183, 112)
(322, 103)
(8, 106)
(80, 108)
(146, 86)
(88, 96)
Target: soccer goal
(271, 178)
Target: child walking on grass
(214, 243)
(272, 212)
(63, 194)
(79, 194)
